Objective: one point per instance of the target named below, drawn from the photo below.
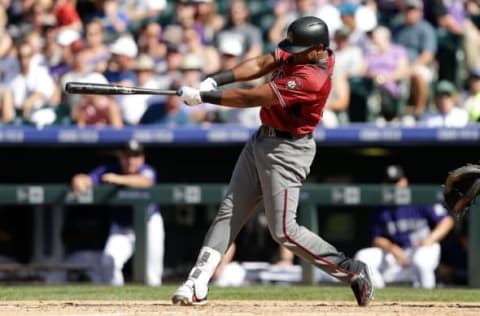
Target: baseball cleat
(188, 294)
(362, 286)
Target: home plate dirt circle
(234, 308)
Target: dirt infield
(234, 308)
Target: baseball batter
(276, 159)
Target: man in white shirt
(31, 88)
(447, 113)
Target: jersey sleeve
(435, 214)
(96, 174)
(148, 172)
(299, 87)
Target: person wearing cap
(113, 17)
(405, 238)
(134, 106)
(129, 171)
(447, 113)
(420, 40)
(276, 160)
(472, 101)
(239, 30)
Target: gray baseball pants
(270, 171)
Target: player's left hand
(190, 96)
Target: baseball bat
(111, 89)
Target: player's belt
(273, 132)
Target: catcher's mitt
(461, 188)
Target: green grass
(305, 293)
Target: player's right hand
(400, 256)
(209, 84)
(189, 95)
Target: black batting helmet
(304, 33)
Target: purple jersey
(123, 215)
(408, 224)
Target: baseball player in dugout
(276, 159)
(129, 171)
(405, 239)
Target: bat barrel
(111, 89)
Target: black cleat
(361, 285)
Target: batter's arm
(254, 68)
(262, 95)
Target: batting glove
(190, 96)
(208, 84)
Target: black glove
(462, 186)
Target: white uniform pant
(385, 269)
(120, 246)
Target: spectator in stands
(120, 71)
(338, 102)
(405, 239)
(206, 52)
(419, 38)
(140, 11)
(231, 52)
(66, 15)
(174, 60)
(283, 20)
(32, 88)
(358, 36)
(79, 71)
(6, 41)
(96, 109)
(454, 40)
(239, 29)
(388, 67)
(149, 42)
(130, 171)
(472, 101)
(191, 69)
(114, 19)
(349, 59)
(447, 113)
(97, 52)
(134, 106)
(170, 113)
(472, 34)
(207, 16)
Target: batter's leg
(240, 202)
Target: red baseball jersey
(302, 91)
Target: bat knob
(179, 92)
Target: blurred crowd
(405, 62)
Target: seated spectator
(79, 72)
(208, 18)
(134, 106)
(150, 42)
(231, 52)
(96, 109)
(447, 113)
(387, 66)
(31, 89)
(348, 58)
(170, 113)
(358, 36)
(114, 19)
(66, 15)
(208, 53)
(336, 108)
(191, 68)
(419, 39)
(97, 51)
(405, 239)
(472, 101)
(139, 11)
(240, 29)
